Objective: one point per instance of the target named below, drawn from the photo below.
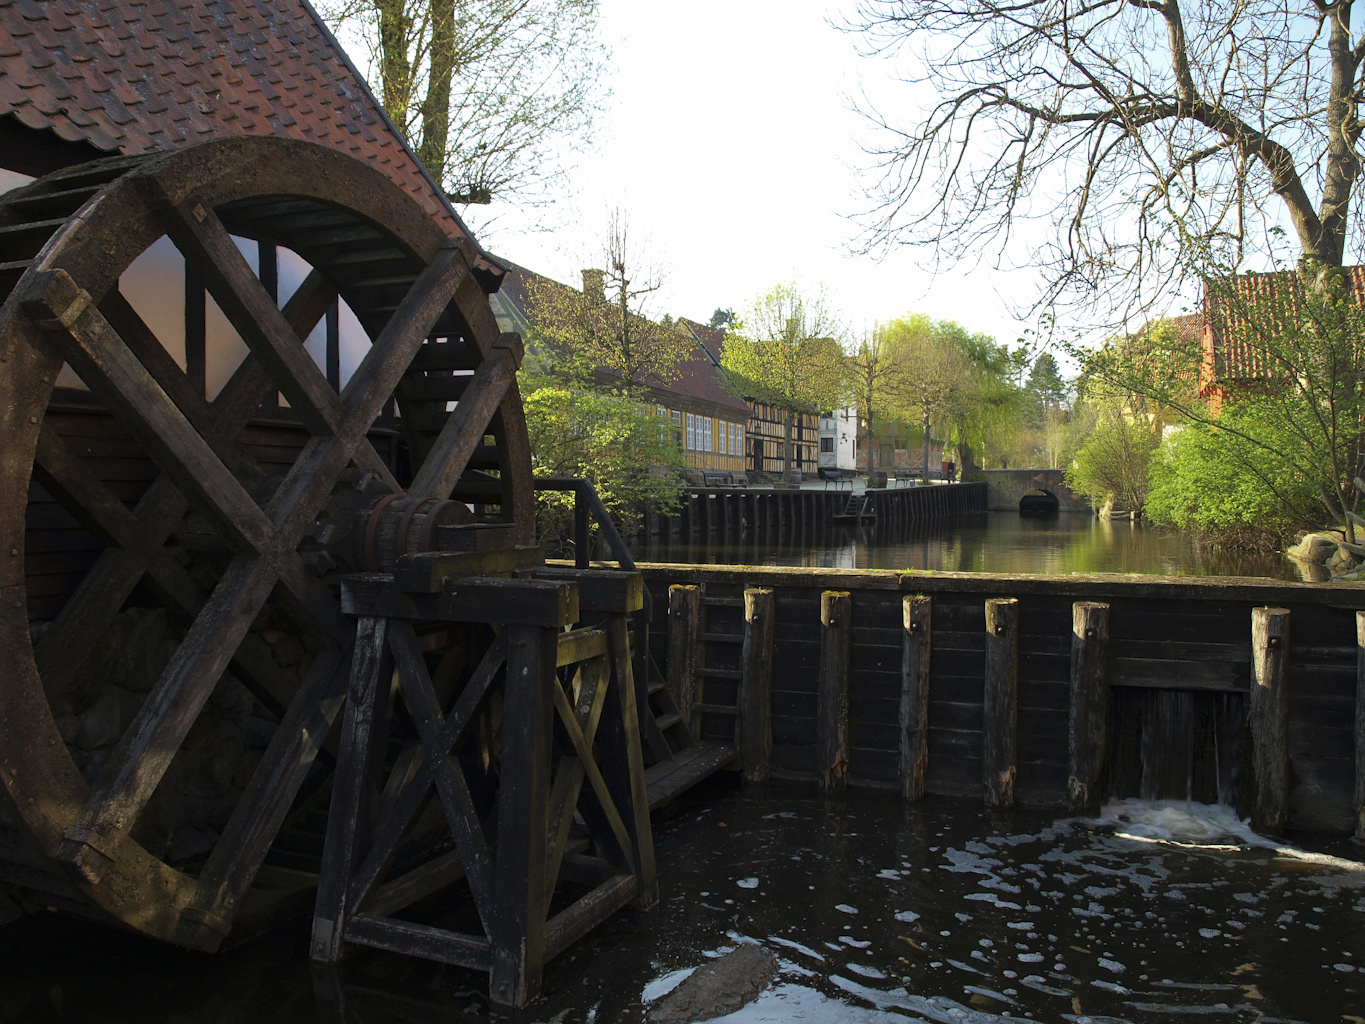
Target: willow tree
(1156, 135)
(786, 351)
(491, 94)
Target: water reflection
(998, 542)
(878, 910)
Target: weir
(1051, 692)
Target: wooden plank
(421, 940)
(684, 621)
(754, 728)
(1268, 719)
(426, 572)
(580, 645)
(668, 780)
(1089, 715)
(832, 745)
(623, 766)
(417, 884)
(1161, 674)
(1000, 719)
(600, 590)
(467, 599)
(572, 923)
(917, 612)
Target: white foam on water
(845, 908)
(865, 971)
(907, 916)
(849, 940)
(791, 944)
(665, 984)
(747, 883)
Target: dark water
(992, 542)
(879, 911)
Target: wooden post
(684, 617)
(916, 615)
(1359, 802)
(1000, 719)
(1089, 704)
(516, 934)
(836, 643)
(1268, 718)
(755, 722)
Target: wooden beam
(917, 620)
(754, 725)
(466, 599)
(832, 726)
(1000, 710)
(1089, 710)
(1268, 719)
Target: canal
(1002, 542)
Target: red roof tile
(134, 77)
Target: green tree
(491, 94)
(630, 456)
(1292, 362)
(607, 327)
(786, 352)
(1148, 131)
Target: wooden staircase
(856, 510)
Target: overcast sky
(730, 141)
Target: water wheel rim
(59, 296)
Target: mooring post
(1359, 801)
(836, 646)
(916, 615)
(1268, 718)
(755, 722)
(684, 618)
(1089, 719)
(1000, 719)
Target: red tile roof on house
(698, 375)
(135, 76)
(1232, 353)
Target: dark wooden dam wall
(730, 510)
(1004, 688)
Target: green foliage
(1291, 361)
(1112, 464)
(630, 456)
(1208, 479)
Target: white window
(721, 425)
(691, 432)
(706, 434)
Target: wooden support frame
(568, 719)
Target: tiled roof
(1231, 350)
(698, 375)
(138, 76)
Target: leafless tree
(1138, 137)
(493, 95)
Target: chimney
(594, 290)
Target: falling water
(1176, 745)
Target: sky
(730, 142)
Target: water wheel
(174, 651)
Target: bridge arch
(1006, 487)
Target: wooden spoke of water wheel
(69, 838)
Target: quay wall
(731, 510)
(1185, 633)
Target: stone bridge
(1004, 488)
